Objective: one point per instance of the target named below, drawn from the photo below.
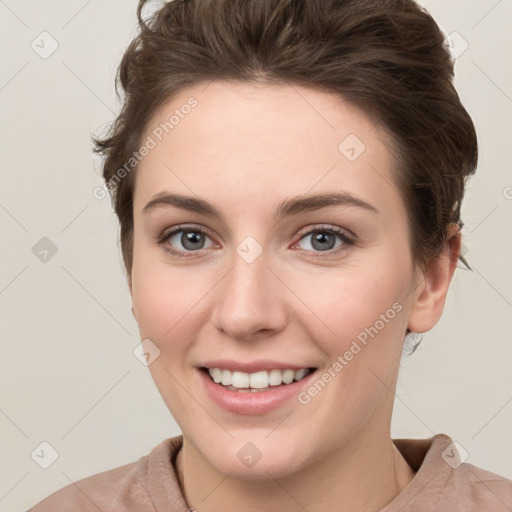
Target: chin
(258, 460)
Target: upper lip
(252, 366)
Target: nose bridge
(250, 299)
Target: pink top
(441, 484)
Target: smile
(244, 381)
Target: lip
(252, 366)
(249, 403)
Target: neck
(364, 474)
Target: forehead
(260, 140)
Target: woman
(288, 179)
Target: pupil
(191, 238)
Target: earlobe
(433, 284)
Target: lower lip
(250, 403)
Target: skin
(245, 148)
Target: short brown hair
(386, 57)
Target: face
(268, 279)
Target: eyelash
(347, 242)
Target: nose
(250, 301)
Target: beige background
(69, 376)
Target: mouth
(257, 382)
(258, 393)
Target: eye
(191, 239)
(323, 239)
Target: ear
(433, 284)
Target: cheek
(169, 303)
(360, 317)
(351, 302)
(358, 323)
(161, 310)
(158, 300)
(164, 307)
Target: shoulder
(477, 489)
(106, 491)
(470, 487)
(444, 481)
(122, 489)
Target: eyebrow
(289, 207)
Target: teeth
(258, 380)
